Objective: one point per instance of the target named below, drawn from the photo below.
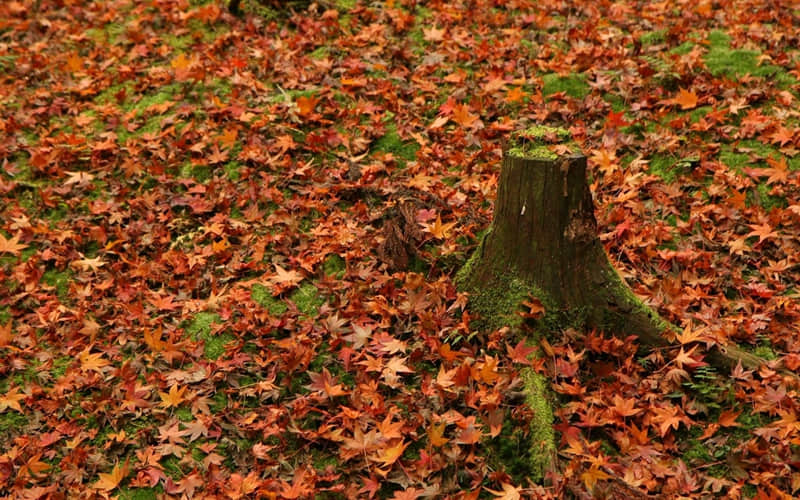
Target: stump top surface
(541, 142)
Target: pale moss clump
(543, 438)
(537, 142)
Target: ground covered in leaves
(228, 247)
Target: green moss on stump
(497, 304)
(538, 142)
(543, 438)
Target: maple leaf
(93, 362)
(408, 494)
(391, 454)
(228, 137)
(217, 156)
(509, 492)
(75, 62)
(779, 171)
(11, 399)
(324, 382)
(520, 353)
(5, 334)
(668, 418)
(174, 397)
(439, 122)
(606, 160)
(438, 229)
(433, 34)
(80, 178)
(180, 62)
(685, 99)
(306, 104)
(392, 368)
(470, 432)
(763, 231)
(360, 336)
(285, 279)
(462, 116)
(591, 476)
(689, 335)
(728, 418)
(514, 95)
(625, 407)
(94, 263)
(11, 245)
(436, 434)
(109, 481)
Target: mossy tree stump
(544, 234)
(543, 242)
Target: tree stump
(543, 242)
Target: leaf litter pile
(228, 247)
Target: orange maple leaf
(763, 231)
(93, 362)
(516, 94)
(109, 481)
(5, 334)
(11, 400)
(284, 278)
(306, 104)
(606, 160)
(510, 492)
(11, 245)
(174, 397)
(462, 116)
(436, 434)
(438, 229)
(591, 476)
(685, 99)
(390, 455)
(728, 418)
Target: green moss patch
(262, 296)
(722, 60)
(307, 299)
(334, 266)
(574, 85)
(391, 142)
(139, 493)
(200, 328)
(669, 168)
(60, 280)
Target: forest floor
(228, 247)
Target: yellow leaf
(92, 361)
(390, 455)
(11, 245)
(591, 476)
(109, 481)
(438, 229)
(174, 398)
(180, 62)
(11, 400)
(436, 434)
(510, 492)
